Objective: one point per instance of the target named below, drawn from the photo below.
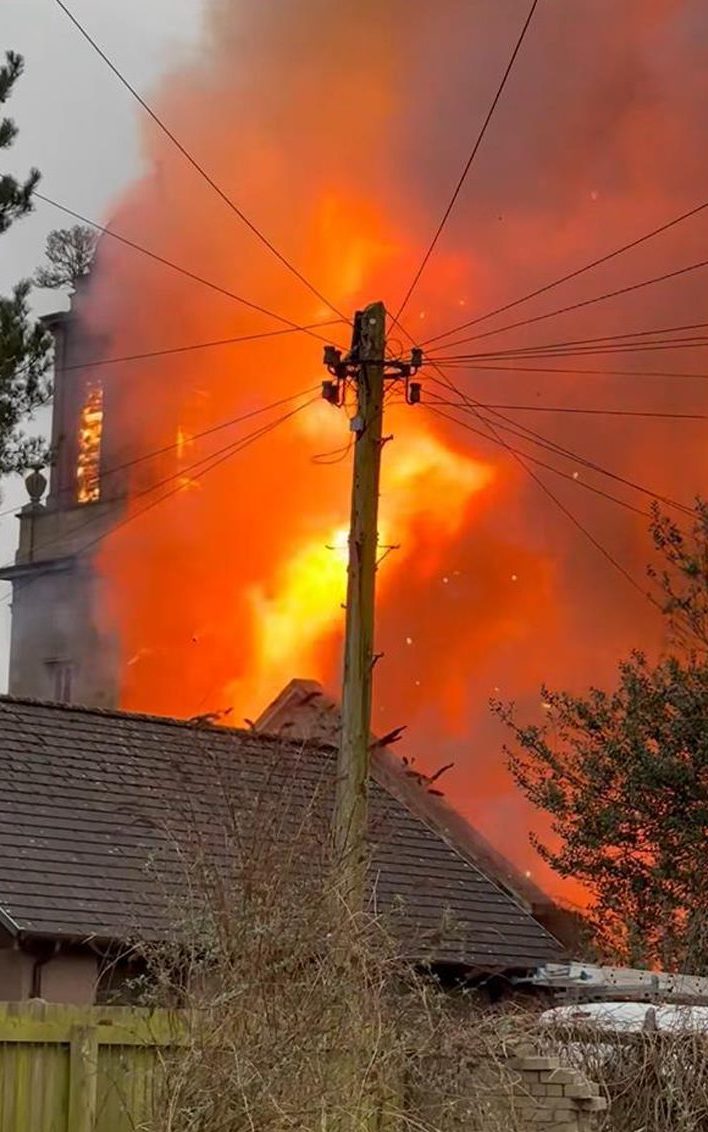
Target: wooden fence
(100, 1069)
(78, 1068)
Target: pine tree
(24, 344)
(69, 254)
(15, 198)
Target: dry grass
(653, 1081)
(299, 1013)
(302, 1016)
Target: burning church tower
(59, 650)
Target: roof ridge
(147, 717)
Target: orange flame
(303, 606)
(88, 464)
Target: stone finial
(36, 485)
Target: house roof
(88, 798)
(303, 710)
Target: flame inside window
(88, 477)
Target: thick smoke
(340, 130)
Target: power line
(602, 338)
(335, 455)
(213, 461)
(113, 469)
(583, 303)
(469, 162)
(576, 522)
(563, 370)
(176, 267)
(585, 411)
(194, 163)
(525, 433)
(574, 274)
(443, 379)
(96, 363)
(532, 352)
(540, 463)
(448, 384)
(537, 438)
(521, 460)
(209, 432)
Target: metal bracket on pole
(347, 368)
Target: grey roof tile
(88, 798)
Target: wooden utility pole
(365, 366)
(353, 763)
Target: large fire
(302, 608)
(340, 129)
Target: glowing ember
(88, 464)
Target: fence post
(83, 1078)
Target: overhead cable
(573, 274)
(178, 268)
(468, 164)
(260, 235)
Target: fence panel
(99, 1069)
(127, 1085)
(80, 1069)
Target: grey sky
(81, 129)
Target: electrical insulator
(414, 389)
(332, 357)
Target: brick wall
(509, 1085)
(552, 1097)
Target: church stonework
(61, 648)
